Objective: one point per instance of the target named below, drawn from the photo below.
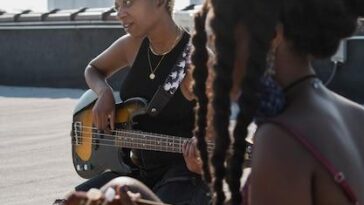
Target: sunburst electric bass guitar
(94, 152)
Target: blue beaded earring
(272, 99)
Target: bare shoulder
(352, 106)
(281, 168)
(128, 44)
(118, 55)
(333, 125)
(274, 143)
(352, 119)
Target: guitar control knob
(85, 167)
(78, 167)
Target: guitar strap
(166, 91)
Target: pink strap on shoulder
(338, 176)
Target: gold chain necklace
(153, 70)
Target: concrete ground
(35, 145)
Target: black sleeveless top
(177, 117)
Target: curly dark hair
(313, 27)
(316, 27)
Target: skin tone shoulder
(281, 165)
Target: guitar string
(133, 132)
(168, 149)
(135, 140)
(144, 144)
(139, 133)
(151, 142)
(135, 144)
(156, 143)
(178, 150)
(145, 148)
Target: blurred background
(43, 5)
(48, 43)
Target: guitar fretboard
(151, 141)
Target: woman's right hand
(103, 112)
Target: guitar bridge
(77, 130)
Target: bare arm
(281, 170)
(119, 55)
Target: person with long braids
(308, 148)
(152, 47)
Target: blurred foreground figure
(308, 148)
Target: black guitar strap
(166, 91)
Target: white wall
(41, 5)
(195, 1)
(16, 5)
(75, 4)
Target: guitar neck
(149, 141)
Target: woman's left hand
(192, 155)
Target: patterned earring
(272, 99)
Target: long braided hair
(221, 101)
(260, 21)
(225, 53)
(303, 22)
(199, 58)
(223, 25)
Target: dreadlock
(260, 36)
(199, 60)
(222, 23)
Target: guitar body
(94, 152)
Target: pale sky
(36, 5)
(41, 5)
